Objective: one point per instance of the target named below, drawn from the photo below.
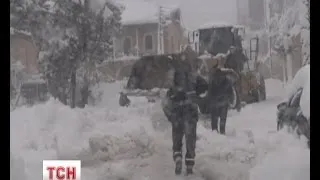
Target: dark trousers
(184, 123)
(216, 113)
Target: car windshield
(215, 40)
(294, 101)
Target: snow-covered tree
(290, 21)
(307, 3)
(73, 37)
(306, 36)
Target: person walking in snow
(220, 92)
(182, 112)
(124, 100)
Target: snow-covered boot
(222, 129)
(222, 125)
(178, 168)
(189, 170)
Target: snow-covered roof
(215, 25)
(24, 34)
(239, 26)
(141, 12)
(127, 58)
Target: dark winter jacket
(183, 83)
(220, 87)
(201, 85)
(183, 92)
(236, 60)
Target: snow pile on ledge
(127, 58)
(215, 25)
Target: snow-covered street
(134, 143)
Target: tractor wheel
(255, 93)
(235, 101)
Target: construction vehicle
(215, 41)
(212, 42)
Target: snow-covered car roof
(239, 26)
(215, 25)
(302, 80)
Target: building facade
(144, 36)
(23, 57)
(252, 13)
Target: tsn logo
(61, 170)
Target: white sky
(198, 12)
(195, 13)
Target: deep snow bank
(290, 161)
(290, 158)
(17, 169)
(135, 143)
(54, 131)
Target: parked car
(292, 113)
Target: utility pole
(113, 48)
(160, 30)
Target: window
(148, 42)
(126, 45)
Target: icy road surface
(134, 143)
